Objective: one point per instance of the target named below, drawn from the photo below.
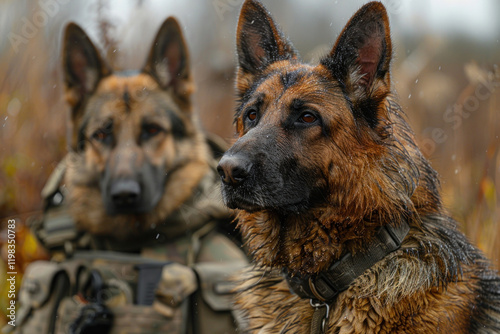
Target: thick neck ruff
(325, 286)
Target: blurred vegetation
(449, 87)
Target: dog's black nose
(125, 193)
(233, 169)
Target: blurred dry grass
(32, 137)
(472, 192)
(432, 77)
(453, 104)
(32, 128)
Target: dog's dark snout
(125, 193)
(234, 169)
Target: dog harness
(323, 288)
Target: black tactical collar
(325, 286)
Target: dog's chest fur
(270, 307)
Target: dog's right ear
(83, 67)
(259, 41)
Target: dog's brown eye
(308, 118)
(152, 130)
(149, 131)
(104, 134)
(100, 135)
(252, 115)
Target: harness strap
(325, 286)
(320, 317)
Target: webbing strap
(325, 286)
(320, 317)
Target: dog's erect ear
(168, 60)
(82, 65)
(361, 58)
(258, 39)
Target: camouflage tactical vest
(116, 293)
(156, 285)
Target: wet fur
(316, 192)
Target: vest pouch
(108, 304)
(43, 287)
(215, 296)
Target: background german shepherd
(329, 183)
(138, 155)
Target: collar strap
(325, 286)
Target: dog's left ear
(82, 65)
(83, 69)
(168, 60)
(360, 61)
(259, 43)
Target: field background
(445, 57)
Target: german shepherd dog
(138, 154)
(339, 209)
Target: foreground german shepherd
(138, 153)
(336, 202)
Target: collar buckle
(321, 290)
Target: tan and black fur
(323, 160)
(138, 154)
